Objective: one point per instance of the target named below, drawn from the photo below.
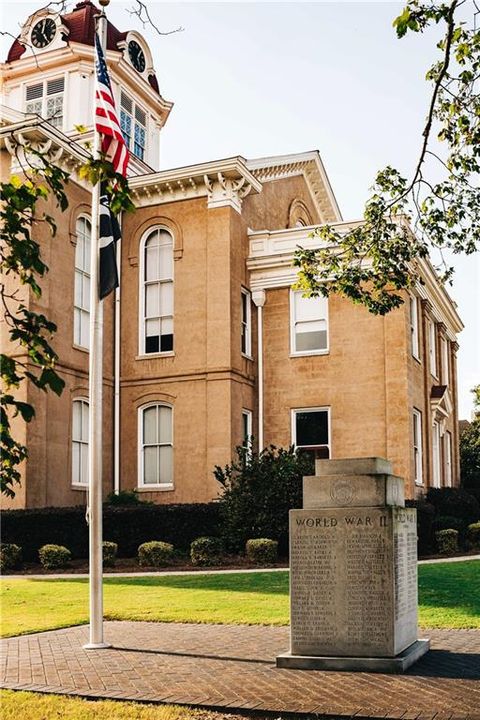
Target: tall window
(46, 99)
(309, 324)
(311, 431)
(156, 446)
(157, 292)
(432, 347)
(80, 421)
(133, 122)
(436, 455)
(246, 428)
(414, 326)
(417, 447)
(445, 363)
(81, 310)
(246, 342)
(448, 458)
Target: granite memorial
(353, 571)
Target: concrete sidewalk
(203, 571)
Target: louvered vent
(126, 102)
(140, 115)
(55, 86)
(34, 91)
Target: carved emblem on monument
(342, 492)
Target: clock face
(43, 32)
(136, 55)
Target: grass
(33, 706)
(449, 596)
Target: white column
(259, 297)
(95, 396)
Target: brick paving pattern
(232, 666)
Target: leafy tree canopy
(405, 219)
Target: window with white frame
(445, 362)
(448, 458)
(246, 428)
(246, 334)
(309, 324)
(155, 445)
(157, 292)
(80, 423)
(311, 432)
(81, 304)
(417, 447)
(133, 123)
(414, 326)
(46, 99)
(432, 347)
(436, 468)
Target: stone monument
(353, 571)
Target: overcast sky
(269, 78)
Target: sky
(258, 79)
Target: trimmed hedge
(205, 551)
(447, 541)
(128, 526)
(54, 556)
(425, 525)
(455, 502)
(109, 553)
(473, 536)
(155, 554)
(262, 550)
(10, 556)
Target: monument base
(397, 664)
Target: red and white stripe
(106, 123)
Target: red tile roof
(81, 24)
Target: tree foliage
(470, 450)
(405, 219)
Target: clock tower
(49, 72)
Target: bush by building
(473, 536)
(447, 541)
(155, 554)
(10, 556)
(109, 550)
(454, 502)
(127, 526)
(206, 551)
(258, 491)
(262, 551)
(54, 556)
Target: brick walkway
(228, 666)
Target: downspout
(116, 377)
(258, 297)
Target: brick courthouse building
(206, 279)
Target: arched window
(155, 446)
(81, 312)
(157, 293)
(80, 423)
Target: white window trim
(303, 353)
(418, 479)
(45, 81)
(248, 336)
(445, 361)
(432, 348)
(133, 118)
(249, 415)
(436, 456)
(141, 486)
(142, 354)
(76, 485)
(293, 424)
(414, 327)
(81, 216)
(448, 458)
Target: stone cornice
(309, 165)
(223, 182)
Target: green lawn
(449, 597)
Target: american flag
(106, 120)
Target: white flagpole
(96, 640)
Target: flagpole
(96, 640)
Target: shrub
(454, 502)
(206, 551)
(127, 525)
(258, 491)
(473, 536)
(447, 541)
(155, 554)
(54, 556)
(447, 522)
(125, 497)
(109, 553)
(262, 550)
(10, 556)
